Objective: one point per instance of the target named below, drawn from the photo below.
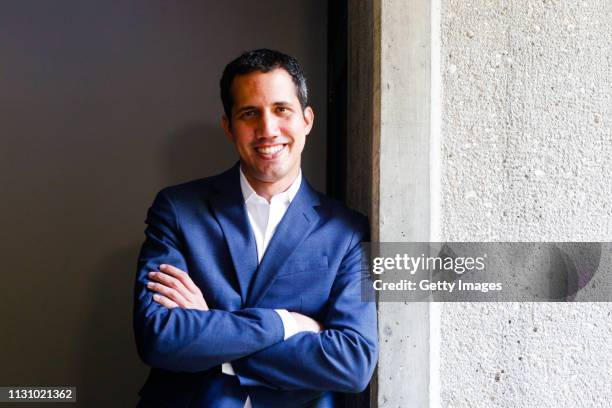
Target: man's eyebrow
(251, 107)
(282, 103)
(245, 108)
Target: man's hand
(306, 323)
(175, 288)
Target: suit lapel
(228, 207)
(297, 223)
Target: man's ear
(227, 128)
(308, 119)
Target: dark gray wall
(101, 105)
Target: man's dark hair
(262, 60)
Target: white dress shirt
(264, 217)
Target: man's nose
(268, 126)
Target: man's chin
(272, 176)
(270, 172)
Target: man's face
(268, 126)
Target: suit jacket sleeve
(186, 339)
(340, 358)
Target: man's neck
(268, 190)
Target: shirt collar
(288, 195)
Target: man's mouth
(270, 152)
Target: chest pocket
(305, 284)
(294, 266)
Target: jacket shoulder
(339, 212)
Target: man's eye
(248, 114)
(282, 109)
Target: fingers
(182, 277)
(176, 285)
(164, 301)
(306, 323)
(168, 292)
(169, 280)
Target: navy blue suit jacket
(311, 266)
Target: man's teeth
(270, 149)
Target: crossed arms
(175, 288)
(179, 332)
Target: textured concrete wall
(404, 208)
(526, 155)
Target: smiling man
(248, 291)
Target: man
(248, 290)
